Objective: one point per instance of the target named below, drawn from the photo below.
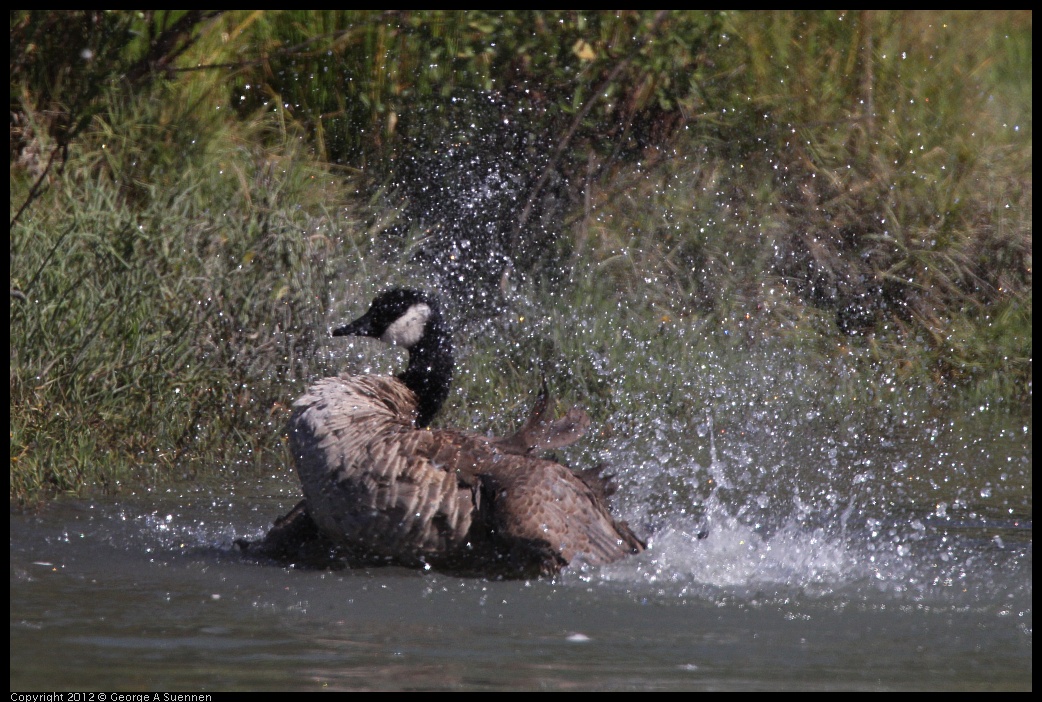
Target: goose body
(381, 488)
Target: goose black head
(412, 319)
(398, 316)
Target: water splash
(856, 508)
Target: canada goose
(381, 488)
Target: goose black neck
(429, 373)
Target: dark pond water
(861, 557)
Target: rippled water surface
(836, 557)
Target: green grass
(806, 224)
(167, 306)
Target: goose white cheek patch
(408, 329)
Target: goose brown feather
(384, 491)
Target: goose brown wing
(535, 499)
(368, 474)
